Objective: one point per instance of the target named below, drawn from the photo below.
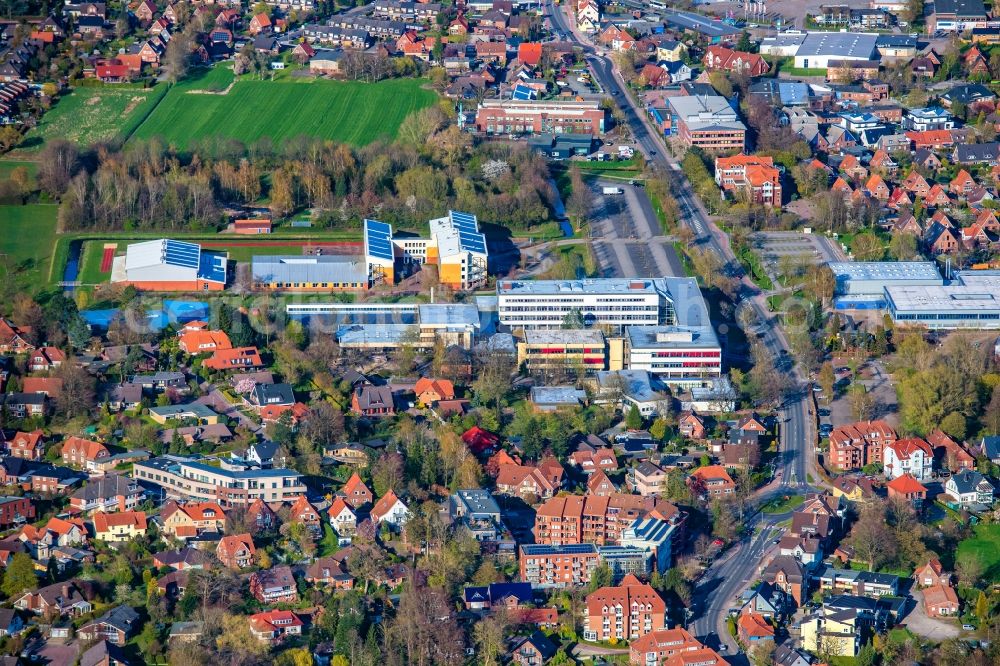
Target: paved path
(921, 624)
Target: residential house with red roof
(272, 626)
(617, 38)
(50, 386)
(342, 518)
(529, 53)
(877, 188)
(238, 358)
(624, 612)
(260, 23)
(430, 391)
(119, 526)
(27, 445)
(304, 512)
(261, 516)
(936, 139)
(940, 601)
(711, 481)
(962, 184)
(13, 338)
(45, 358)
(658, 647)
(753, 628)
(932, 573)
(202, 341)
(590, 461)
(908, 456)
(722, 58)
(355, 492)
(691, 425)
(192, 519)
(480, 441)
(236, 551)
(600, 485)
(907, 488)
(390, 510)
(916, 184)
(524, 481)
(57, 532)
(949, 454)
(84, 453)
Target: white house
(913, 456)
(390, 509)
(588, 12)
(343, 519)
(970, 487)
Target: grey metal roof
(839, 44)
(960, 7)
(300, 269)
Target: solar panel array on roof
(179, 253)
(523, 93)
(469, 238)
(378, 240)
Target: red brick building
(750, 176)
(537, 116)
(858, 444)
(625, 612)
(558, 566)
(571, 519)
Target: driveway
(933, 628)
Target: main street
(727, 577)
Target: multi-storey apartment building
(186, 478)
(858, 444)
(558, 566)
(570, 519)
(507, 116)
(625, 612)
(753, 177)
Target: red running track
(107, 259)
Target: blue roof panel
(179, 253)
(378, 240)
(212, 267)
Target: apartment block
(189, 479)
(509, 116)
(858, 444)
(749, 177)
(626, 611)
(558, 566)
(573, 519)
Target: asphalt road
(726, 577)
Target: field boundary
(135, 123)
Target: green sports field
(348, 111)
(27, 236)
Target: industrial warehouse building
(170, 265)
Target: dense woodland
(432, 166)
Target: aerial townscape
(499, 332)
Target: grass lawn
(985, 547)
(328, 544)
(349, 111)
(783, 504)
(90, 262)
(7, 166)
(27, 235)
(87, 115)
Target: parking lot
(626, 235)
(879, 385)
(774, 247)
